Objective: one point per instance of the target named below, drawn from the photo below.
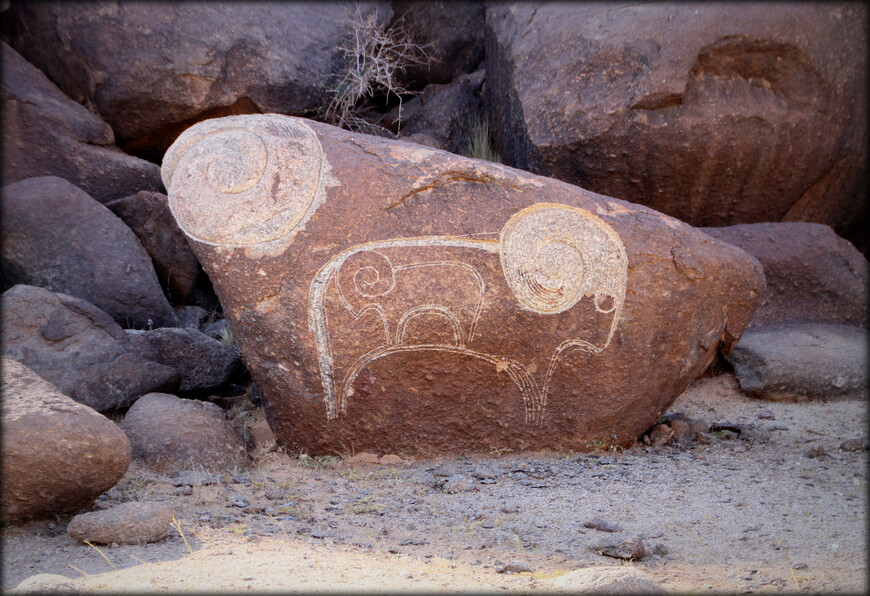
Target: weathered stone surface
(57, 237)
(79, 348)
(46, 583)
(151, 70)
(608, 580)
(128, 523)
(204, 364)
(57, 454)
(629, 549)
(147, 214)
(813, 275)
(798, 362)
(171, 434)
(191, 317)
(712, 115)
(45, 133)
(406, 300)
(452, 34)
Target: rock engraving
(551, 257)
(264, 176)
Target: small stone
(390, 460)
(244, 478)
(628, 549)
(608, 580)
(46, 583)
(682, 430)
(365, 458)
(601, 525)
(239, 500)
(195, 478)
(183, 491)
(854, 445)
(799, 566)
(457, 483)
(276, 495)
(660, 434)
(767, 415)
(660, 550)
(127, 523)
(817, 451)
(513, 568)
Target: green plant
(376, 54)
(478, 141)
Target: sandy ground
(736, 515)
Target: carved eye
(242, 180)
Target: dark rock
(151, 70)
(191, 317)
(203, 364)
(601, 525)
(57, 454)
(147, 214)
(218, 329)
(57, 237)
(696, 110)
(79, 348)
(817, 451)
(813, 275)
(445, 113)
(608, 580)
(794, 362)
(195, 478)
(629, 549)
(469, 285)
(183, 491)
(127, 523)
(45, 133)
(451, 33)
(170, 434)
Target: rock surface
(608, 580)
(79, 348)
(797, 362)
(407, 300)
(697, 110)
(629, 549)
(46, 583)
(128, 523)
(171, 434)
(813, 275)
(57, 454)
(204, 364)
(45, 133)
(151, 70)
(147, 214)
(57, 237)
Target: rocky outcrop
(151, 70)
(204, 364)
(57, 237)
(800, 362)
(57, 454)
(45, 133)
(147, 214)
(170, 434)
(813, 275)
(79, 348)
(128, 523)
(712, 115)
(406, 299)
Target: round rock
(127, 523)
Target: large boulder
(79, 348)
(403, 299)
(170, 434)
(204, 364)
(151, 70)
(133, 522)
(800, 362)
(45, 133)
(713, 115)
(57, 237)
(147, 214)
(813, 275)
(57, 454)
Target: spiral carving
(366, 274)
(553, 255)
(242, 180)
